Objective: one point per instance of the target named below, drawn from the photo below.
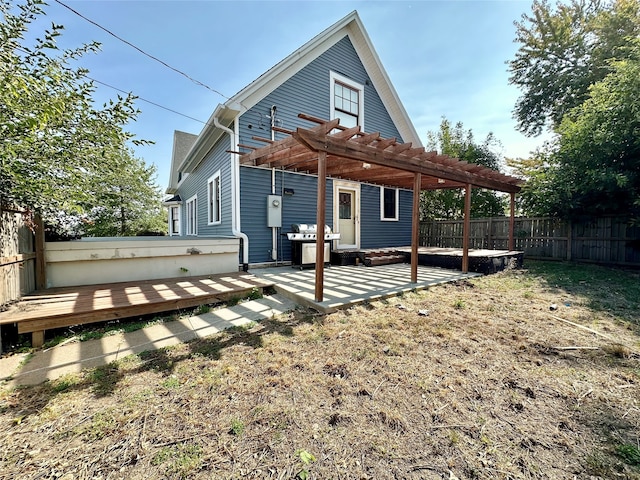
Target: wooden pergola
(329, 149)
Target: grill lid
(308, 228)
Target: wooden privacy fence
(609, 240)
(17, 256)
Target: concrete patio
(349, 285)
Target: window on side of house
(174, 220)
(192, 215)
(347, 101)
(389, 204)
(214, 210)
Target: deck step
(374, 261)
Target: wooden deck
(481, 261)
(63, 307)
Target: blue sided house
(256, 167)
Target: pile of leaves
(523, 374)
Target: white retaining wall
(92, 261)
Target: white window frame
(214, 203)
(192, 221)
(338, 78)
(175, 233)
(396, 217)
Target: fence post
(569, 239)
(41, 263)
(512, 221)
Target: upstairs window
(192, 215)
(389, 204)
(214, 209)
(347, 100)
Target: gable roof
(350, 26)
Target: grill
(303, 244)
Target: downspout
(274, 230)
(235, 188)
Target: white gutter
(235, 188)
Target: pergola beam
(374, 155)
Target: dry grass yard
(479, 379)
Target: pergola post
(466, 228)
(321, 203)
(512, 221)
(415, 226)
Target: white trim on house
(336, 78)
(396, 215)
(353, 188)
(214, 200)
(191, 214)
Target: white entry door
(347, 214)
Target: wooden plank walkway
(63, 307)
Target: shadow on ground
(104, 380)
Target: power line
(197, 82)
(147, 101)
(125, 92)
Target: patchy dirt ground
(478, 379)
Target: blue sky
(445, 58)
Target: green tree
(539, 195)
(126, 201)
(563, 51)
(594, 166)
(459, 143)
(55, 141)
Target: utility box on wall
(274, 211)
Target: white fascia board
(287, 68)
(362, 43)
(208, 137)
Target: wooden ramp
(63, 307)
